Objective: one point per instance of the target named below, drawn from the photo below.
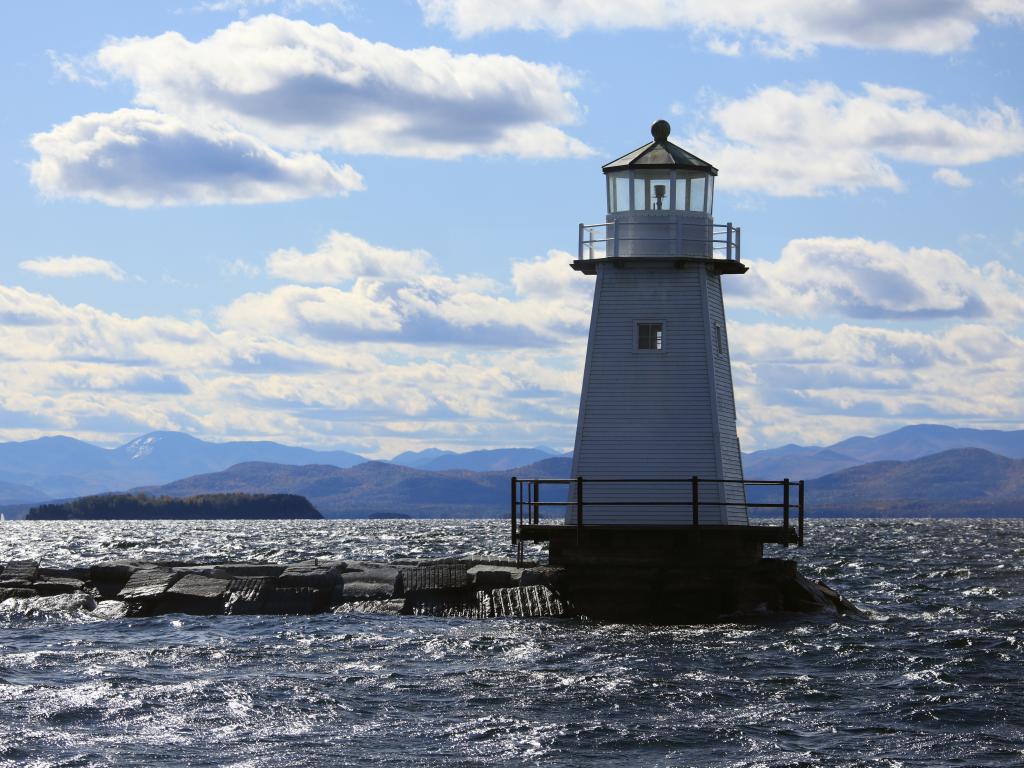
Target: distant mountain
(418, 459)
(63, 467)
(808, 462)
(15, 493)
(493, 460)
(373, 487)
(960, 482)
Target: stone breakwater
(455, 587)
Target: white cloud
(381, 365)
(73, 266)
(858, 278)
(803, 385)
(952, 178)
(396, 296)
(818, 139)
(136, 158)
(343, 257)
(780, 26)
(299, 86)
(722, 48)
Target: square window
(649, 336)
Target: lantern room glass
(660, 191)
(618, 192)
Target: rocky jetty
(454, 587)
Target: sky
(348, 224)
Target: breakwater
(437, 587)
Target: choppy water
(936, 678)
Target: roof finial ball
(660, 130)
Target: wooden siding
(656, 414)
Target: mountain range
(959, 482)
(372, 487)
(809, 462)
(63, 467)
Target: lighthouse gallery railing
(604, 239)
(527, 504)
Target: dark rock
(435, 577)
(57, 586)
(208, 570)
(248, 595)
(251, 570)
(194, 594)
(82, 573)
(20, 573)
(370, 582)
(546, 575)
(492, 576)
(148, 584)
(110, 577)
(312, 575)
(296, 600)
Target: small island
(210, 506)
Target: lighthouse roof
(660, 154)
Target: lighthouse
(657, 400)
(657, 474)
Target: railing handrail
(533, 504)
(730, 243)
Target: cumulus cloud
(397, 296)
(309, 364)
(342, 257)
(781, 27)
(952, 178)
(380, 361)
(299, 86)
(858, 278)
(821, 138)
(812, 386)
(136, 157)
(73, 266)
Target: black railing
(527, 504)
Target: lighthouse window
(639, 194)
(649, 336)
(696, 202)
(618, 192)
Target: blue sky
(348, 224)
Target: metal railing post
(800, 530)
(785, 503)
(738, 258)
(612, 231)
(581, 242)
(535, 512)
(728, 241)
(695, 499)
(515, 533)
(579, 510)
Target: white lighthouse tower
(657, 401)
(656, 513)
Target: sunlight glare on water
(933, 679)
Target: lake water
(934, 678)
